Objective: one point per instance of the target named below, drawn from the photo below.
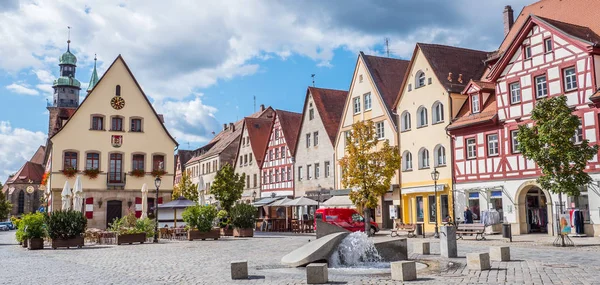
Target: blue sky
(201, 62)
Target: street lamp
(157, 184)
(253, 196)
(435, 175)
(319, 196)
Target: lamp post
(157, 184)
(253, 196)
(319, 196)
(435, 175)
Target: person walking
(468, 216)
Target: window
(70, 160)
(248, 181)
(423, 158)
(438, 112)
(118, 90)
(541, 87)
(117, 124)
(270, 154)
(241, 161)
(136, 125)
(367, 101)
(97, 123)
(246, 158)
(422, 117)
(265, 177)
(283, 152)
(360, 78)
(407, 159)
(474, 205)
(444, 208)
(432, 208)
(515, 142)
(527, 51)
(282, 174)
(471, 148)
(578, 137)
(276, 175)
(276, 131)
(475, 104)
(308, 172)
(311, 113)
(440, 155)
(115, 168)
(289, 173)
(515, 93)
(496, 202)
(327, 164)
(276, 154)
(492, 144)
(548, 45)
(307, 140)
(299, 173)
(420, 79)
(379, 130)
(570, 79)
(271, 177)
(138, 162)
(405, 121)
(317, 170)
(356, 105)
(243, 142)
(254, 180)
(158, 162)
(409, 87)
(92, 161)
(419, 208)
(316, 138)
(250, 158)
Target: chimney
(232, 127)
(224, 126)
(262, 107)
(509, 20)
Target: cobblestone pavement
(207, 262)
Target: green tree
(551, 143)
(186, 188)
(5, 205)
(368, 167)
(228, 186)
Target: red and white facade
(277, 172)
(546, 59)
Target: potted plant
(129, 229)
(199, 221)
(69, 172)
(66, 228)
(35, 230)
(138, 173)
(225, 223)
(20, 235)
(243, 219)
(158, 172)
(92, 173)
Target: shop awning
(301, 201)
(265, 201)
(338, 201)
(280, 203)
(179, 203)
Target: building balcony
(116, 179)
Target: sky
(202, 63)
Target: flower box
(68, 243)
(196, 234)
(69, 172)
(226, 232)
(24, 243)
(158, 172)
(131, 238)
(35, 243)
(138, 173)
(237, 232)
(92, 173)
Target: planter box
(68, 243)
(196, 234)
(35, 243)
(249, 232)
(131, 238)
(24, 243)
(227, 232)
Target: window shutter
(138, 207)
(89, 208)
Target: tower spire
(69, 39)
(94, 78)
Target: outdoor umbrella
(179, 203)
(201, 191)
(300, 201)
(66, 197)
(78, 195)
(144, 201)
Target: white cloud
(16, 147)
(44, 76)
(22, 89)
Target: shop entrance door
(536, 211)
(113, 211)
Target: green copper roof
(67, 58)
(69, 81)
(94, 79)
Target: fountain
(355, 250)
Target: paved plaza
(207, 262)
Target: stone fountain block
(324, 229)
(316, 273)
(422, 248)
(239, 269)
(393, 250)
(317, 250)
(500, 253)
(478, 261)
(404, 270)
(448, 247)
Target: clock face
(117, 102)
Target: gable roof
(388, 74)
(581, 33)
(136, 84)
(259, 130)
(330, 105)
(290, 125)
(29, 171)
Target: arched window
(438, 112)
(405, 121)
(422, 117)
(423, 158)
(440, 155)
(21, 202)
(407, 161)
(420, 79)
(118, 90)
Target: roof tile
(330, 104)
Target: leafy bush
(131, 225)
(65, 224)
(243, 216)
(33, 225)
(20, 234)
(200, 217)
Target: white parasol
(66, 197)
(201, 192)
(144, 201)
(78, 195)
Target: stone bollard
(316, 273)
(448, 242)
(422, 248)
(478, 261)
(239, 269)
(500, 253)
(404, 270)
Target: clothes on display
(538, 219)
(578, 221)
(491, 217)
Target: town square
(300, 142)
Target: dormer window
(475, 104)
(420, 79)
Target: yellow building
(374, 88)
(429, 99)
(114, 132)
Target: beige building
(117, 132)
(429, 99)
(373, 91)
